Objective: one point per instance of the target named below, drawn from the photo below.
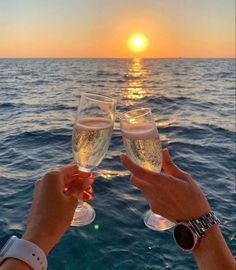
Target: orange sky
(101, 28)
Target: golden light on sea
(138, 43)
(136, 75)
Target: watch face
(184, 237)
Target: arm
(177, 197)
(12, 264)
(52, 204)
(213, 252)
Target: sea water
(193, 101)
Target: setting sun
(138, 42)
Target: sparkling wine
(143, 146)
(90, 138)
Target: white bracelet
(25, 251)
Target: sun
(138, 43)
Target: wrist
(39, 239)
(208, 237)
(23, 254)
(212, 251)
(13, 263)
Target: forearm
(212, 253)
(12, 264)
(45, 241)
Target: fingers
(68, 171)
(148, 176)
(80, 184)
(77, 184)
(84, 174)
(82, 196)
(65, 176)
(170, 167)
(87, 194)
(139, 183)
(71, 173)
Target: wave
(224, 74)
(39, 137)
(39, 107)
(180, 74)
(8, 105)
(225, 132)
(217, 75)
(106, 73)
(200, 132)
(119, 81)
(164, 99)
(198, 149)
(197, 103)
(40, 82)
(57, 107)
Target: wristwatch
(187, 234)
(25, 251)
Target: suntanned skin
(50, 204)
(212, 253)
(176, 196)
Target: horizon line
(85, 57)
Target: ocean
(193, 101)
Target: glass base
(84, 215)
(156, 222)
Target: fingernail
(87, 196)
(90, 190)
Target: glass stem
(80, 204)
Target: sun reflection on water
(135, 75)
(110, 174)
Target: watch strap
(25, 251)
(202, 224)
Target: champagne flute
(143, 147)
(91, 137)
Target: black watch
(187, 234)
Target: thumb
(170, 167)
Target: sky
(101, 28)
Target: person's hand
(54, 201)
(173, 195)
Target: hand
(173, 195)
(54, 201)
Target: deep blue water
(194, 104)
